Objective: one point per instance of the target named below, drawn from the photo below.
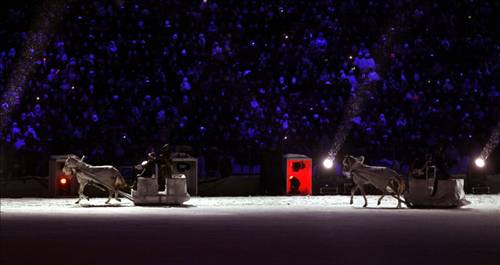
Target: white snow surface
(204, 205)
(248, 230)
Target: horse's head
(74, 161)
(350, 161)
(68, 171)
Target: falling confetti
(492, 142)
(44, 24)
(355, 106)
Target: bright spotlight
(328, 162)
(479, 162)
(63, 181)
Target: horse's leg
(380, 200)
(85, 196)
(80, 192)
(364, 195)
(110, 196)
(390, 189)
(353, 191)
(116, 196)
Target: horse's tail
(401, 186)
(401, 191)
(120, 182)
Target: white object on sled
(147, 191)
(450, 193)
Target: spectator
(249, 75)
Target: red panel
(299, 176)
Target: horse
(382, 178)
(107, 176)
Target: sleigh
(147, 193)
(449, 193)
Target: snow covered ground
(248, 230)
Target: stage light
(328, 162)
(63, 186)
(479, 162)
(63, 181)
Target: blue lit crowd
(238, 78)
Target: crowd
(119, 78)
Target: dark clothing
(441, 163)
(165, 168)
(166, 165)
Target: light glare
(479, 162)
(328, 162)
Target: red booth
(298, 173)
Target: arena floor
(248, 230)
